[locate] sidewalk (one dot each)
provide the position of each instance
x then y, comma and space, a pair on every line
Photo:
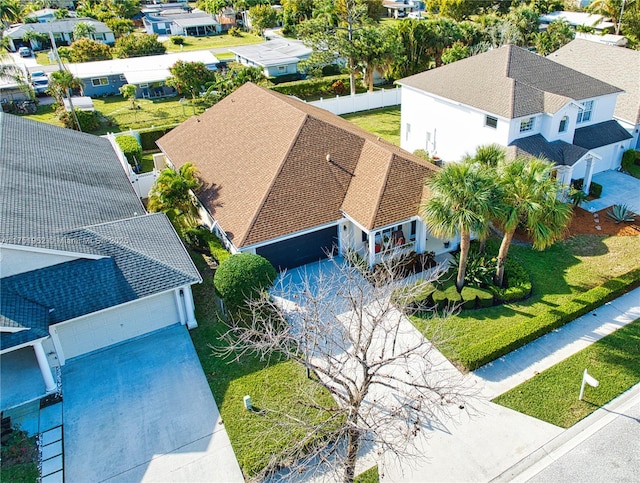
516, 367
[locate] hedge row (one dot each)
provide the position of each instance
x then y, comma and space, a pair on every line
130, 147
524, 332
311, 88
148, 138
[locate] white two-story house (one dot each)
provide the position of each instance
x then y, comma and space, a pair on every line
518, 99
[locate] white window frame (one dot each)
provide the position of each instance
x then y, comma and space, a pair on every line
100, 81
527, 124
584, 114
564, 124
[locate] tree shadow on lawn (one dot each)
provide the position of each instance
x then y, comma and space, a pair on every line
587, 245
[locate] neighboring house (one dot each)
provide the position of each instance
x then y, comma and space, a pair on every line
300, 182
607, 39
514, 98
62, 33
598, 22
43, 15
83, 266
615, 65
277, 57
105, 77
400, 8
178, 22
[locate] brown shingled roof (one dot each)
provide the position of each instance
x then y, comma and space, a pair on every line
510, 82
273, 165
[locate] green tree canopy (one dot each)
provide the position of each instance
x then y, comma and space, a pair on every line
262, 17
83, 30
88, 50
172, 192
190, 77
138, 45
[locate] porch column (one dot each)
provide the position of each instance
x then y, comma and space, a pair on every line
421, 236
564, 175
372, 249
189, 308
43, 363
588, 174
180, 306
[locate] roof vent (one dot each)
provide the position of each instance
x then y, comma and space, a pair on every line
328, 157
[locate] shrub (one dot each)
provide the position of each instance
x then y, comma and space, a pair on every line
518, 284
620, 213
338, 87
148, 138
130, 148
177, 40
517, 335
629, 159
204, 241
241, 277
89, 120
595, 190
235, 32
311, 88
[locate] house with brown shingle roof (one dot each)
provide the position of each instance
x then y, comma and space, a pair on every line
293, 182
518, 99
614, 65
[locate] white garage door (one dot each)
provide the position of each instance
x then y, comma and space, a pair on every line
92, 332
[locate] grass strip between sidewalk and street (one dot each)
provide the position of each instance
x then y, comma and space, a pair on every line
552, 395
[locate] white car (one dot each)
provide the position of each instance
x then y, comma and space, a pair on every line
418, 15
40, 82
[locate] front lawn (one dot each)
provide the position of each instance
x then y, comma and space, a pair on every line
213, 42
558, 274
383, 122
552, 395
254, 437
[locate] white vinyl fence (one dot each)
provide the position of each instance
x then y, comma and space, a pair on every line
360, 102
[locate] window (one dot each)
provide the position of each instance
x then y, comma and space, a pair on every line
527, 124
123, 78
414, 226
282, 68
584, 114
564, 123
491, 121
98, 36
100, 81
365, 237
427, 141
407, 132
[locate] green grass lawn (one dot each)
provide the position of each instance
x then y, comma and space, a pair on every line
255, 438
553, 394
383, 122
213, 42
120, 117
558, 273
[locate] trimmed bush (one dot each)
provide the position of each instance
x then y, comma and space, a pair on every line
89, 120
241, 277
131, 148
177, 40
148, 138
520, 334
485, 299
595, 190
311, 88
631, 162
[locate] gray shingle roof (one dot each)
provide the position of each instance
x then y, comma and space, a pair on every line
64, 190
601, 134
18, 312
65, 25
615, 65
509, 82
559, 152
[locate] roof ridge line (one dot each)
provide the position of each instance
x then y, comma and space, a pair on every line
260, 205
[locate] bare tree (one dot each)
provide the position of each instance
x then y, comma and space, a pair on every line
354, 338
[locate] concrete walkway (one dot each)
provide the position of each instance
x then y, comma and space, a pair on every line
617, 189
516, 367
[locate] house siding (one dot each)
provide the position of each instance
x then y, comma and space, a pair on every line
455, 129
115, 81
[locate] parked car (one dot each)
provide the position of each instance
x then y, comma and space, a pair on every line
25, 52
40, 82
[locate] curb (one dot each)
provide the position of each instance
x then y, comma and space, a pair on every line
535, 462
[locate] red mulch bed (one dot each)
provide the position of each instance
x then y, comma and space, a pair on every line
584, 223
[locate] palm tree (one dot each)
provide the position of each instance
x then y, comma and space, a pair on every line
61, 84
529, 197
172, 192
463, 199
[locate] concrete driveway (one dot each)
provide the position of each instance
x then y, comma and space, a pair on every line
143, 411
617, 189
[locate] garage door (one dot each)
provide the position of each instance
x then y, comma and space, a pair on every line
301, 249
102, 329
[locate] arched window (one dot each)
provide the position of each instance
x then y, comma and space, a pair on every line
564, 123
